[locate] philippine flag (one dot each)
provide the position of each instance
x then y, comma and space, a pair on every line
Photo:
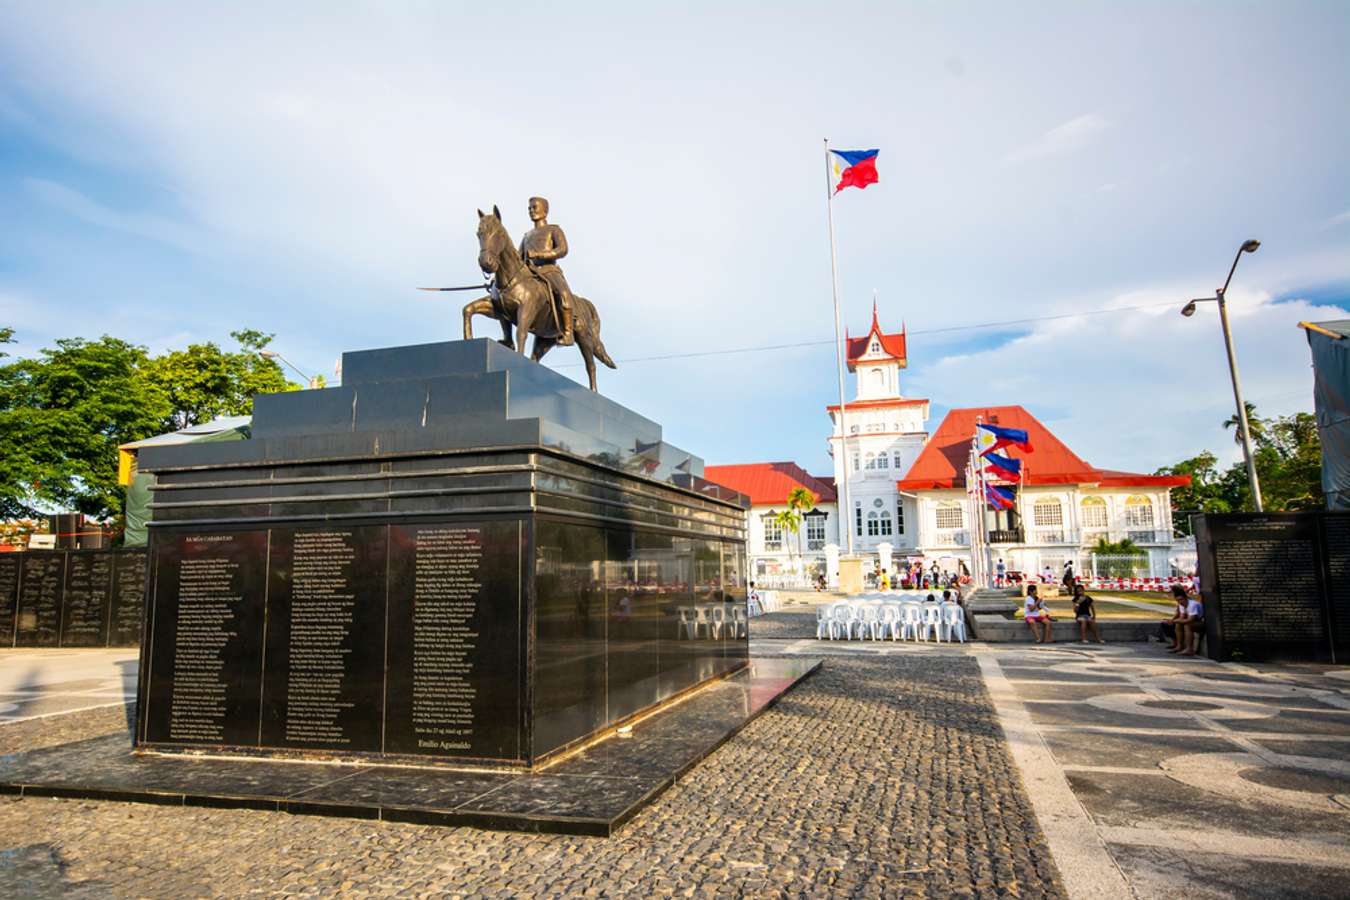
855, 168
999, 497
1004, 467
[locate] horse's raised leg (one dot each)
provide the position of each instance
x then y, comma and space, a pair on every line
480, 307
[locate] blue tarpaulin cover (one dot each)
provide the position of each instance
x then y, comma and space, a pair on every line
1331, 394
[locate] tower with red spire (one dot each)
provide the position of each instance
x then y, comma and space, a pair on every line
884, 432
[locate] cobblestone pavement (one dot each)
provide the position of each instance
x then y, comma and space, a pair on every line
784, 624
876, 777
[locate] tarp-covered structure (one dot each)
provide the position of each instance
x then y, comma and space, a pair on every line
1330, 343
138, 484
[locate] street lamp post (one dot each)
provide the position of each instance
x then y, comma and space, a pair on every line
312, 380
1189, 310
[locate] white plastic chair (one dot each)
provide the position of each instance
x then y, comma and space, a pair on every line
718, 617
911, 619
841, 620
932, 621
869, 622
890, 620
740, 622
702, 620
688, 622
823, 621
954, 622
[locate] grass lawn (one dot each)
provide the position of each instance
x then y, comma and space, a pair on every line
1061, 608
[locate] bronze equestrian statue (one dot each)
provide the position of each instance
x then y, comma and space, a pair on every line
525, 288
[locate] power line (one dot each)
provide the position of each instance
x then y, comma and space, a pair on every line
947, 329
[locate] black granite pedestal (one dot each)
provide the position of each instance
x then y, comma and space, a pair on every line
591, 791
457, 557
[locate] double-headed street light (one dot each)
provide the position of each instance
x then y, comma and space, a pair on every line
1189, 310
313, 380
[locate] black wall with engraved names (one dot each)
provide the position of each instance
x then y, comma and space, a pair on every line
1276, 585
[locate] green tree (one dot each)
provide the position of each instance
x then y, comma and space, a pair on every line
63, 415
1208, 492
1254, 422
799, 501
204, 382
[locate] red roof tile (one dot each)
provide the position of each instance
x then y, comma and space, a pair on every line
942, 463
891, 344
769, 482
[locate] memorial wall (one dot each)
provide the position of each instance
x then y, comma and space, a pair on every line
72, 598
415, 640
1275, 585
457, 555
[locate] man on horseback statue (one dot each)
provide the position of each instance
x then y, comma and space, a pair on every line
541, 248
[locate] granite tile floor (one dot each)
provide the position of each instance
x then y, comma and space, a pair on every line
1158, 776
876, 777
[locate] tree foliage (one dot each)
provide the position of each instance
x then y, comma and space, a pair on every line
204, 382
64, 412
1288, 454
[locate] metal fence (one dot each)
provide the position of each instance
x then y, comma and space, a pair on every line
1115, 565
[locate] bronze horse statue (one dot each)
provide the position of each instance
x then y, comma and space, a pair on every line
521, 299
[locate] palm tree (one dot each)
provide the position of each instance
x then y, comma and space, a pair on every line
799, 501
1258, 428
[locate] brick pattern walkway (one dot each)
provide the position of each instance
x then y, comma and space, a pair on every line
876, 777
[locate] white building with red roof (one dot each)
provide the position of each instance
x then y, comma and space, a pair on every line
771, 549
906, 490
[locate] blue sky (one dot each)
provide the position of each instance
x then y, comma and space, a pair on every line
171, 173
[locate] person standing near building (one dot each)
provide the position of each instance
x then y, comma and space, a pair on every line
1069, 580
1000, 570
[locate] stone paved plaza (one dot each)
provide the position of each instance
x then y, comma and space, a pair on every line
875, 777
897, 770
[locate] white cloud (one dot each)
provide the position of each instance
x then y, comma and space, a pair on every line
1140, 389
1339, 219
1062, 140
155, 228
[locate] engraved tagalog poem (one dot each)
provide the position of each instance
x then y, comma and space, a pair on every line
206, 611
322, 602
445, 595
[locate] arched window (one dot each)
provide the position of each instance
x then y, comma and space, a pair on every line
878, 378
950, 516
1047, 512
875, 348
870, 460
1138, 512
1093, 511
883, 461
879, 523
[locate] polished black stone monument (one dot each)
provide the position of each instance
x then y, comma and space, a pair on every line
458, 556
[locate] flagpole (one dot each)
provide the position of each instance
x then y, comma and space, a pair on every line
846, 510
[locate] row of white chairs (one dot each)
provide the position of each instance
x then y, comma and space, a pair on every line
712, 620
761, 602
897, 621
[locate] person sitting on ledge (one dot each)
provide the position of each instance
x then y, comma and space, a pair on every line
1038, 617
1086, 614
1168, 628
1192, 626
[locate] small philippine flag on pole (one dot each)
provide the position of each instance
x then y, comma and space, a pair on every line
854, 168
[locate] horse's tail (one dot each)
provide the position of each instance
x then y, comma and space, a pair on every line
601, 355
598, 346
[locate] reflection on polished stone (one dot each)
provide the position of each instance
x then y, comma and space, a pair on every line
593, 791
